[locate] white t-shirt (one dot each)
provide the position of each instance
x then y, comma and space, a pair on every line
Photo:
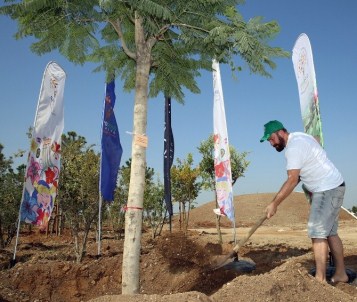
317, 172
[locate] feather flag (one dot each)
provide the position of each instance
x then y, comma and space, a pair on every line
306, 79
111, 147
222, 162
43, 167
168, 155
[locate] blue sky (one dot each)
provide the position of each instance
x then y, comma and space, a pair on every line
250, 100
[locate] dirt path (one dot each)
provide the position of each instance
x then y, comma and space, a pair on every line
291, 235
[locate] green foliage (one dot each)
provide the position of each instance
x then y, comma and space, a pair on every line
181, 37
11, 184
117, 207
122, 191
206, 164
78, 187
185, 186
154, 209
354, 210
239, 163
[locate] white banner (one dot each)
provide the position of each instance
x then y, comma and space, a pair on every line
222, 161
306, 79
43, 167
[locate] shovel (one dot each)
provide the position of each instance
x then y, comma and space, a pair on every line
223, 260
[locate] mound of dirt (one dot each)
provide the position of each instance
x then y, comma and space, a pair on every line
294, 210
177, 267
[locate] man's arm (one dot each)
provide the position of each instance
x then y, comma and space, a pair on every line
285, 190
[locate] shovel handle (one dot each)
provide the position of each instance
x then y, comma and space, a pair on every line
250, 233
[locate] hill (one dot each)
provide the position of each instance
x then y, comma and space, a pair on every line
293, 211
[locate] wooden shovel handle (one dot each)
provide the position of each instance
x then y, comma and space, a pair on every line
250, 233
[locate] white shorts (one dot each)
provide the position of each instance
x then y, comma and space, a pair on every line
324, 211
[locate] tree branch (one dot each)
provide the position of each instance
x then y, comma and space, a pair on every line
191, 26
117, 27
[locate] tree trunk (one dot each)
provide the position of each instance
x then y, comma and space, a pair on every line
75, 230
83, 248
184, 219
60, 222
2, 241
188, 215
180, 209
159, 227
133, 215
87, 225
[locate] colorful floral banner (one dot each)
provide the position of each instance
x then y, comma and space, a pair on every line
222, 161
43, 167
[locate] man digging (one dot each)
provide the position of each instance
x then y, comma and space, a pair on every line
307, 162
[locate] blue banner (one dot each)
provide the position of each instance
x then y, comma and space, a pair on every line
111, 147
168, 155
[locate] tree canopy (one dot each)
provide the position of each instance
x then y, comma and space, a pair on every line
181, 37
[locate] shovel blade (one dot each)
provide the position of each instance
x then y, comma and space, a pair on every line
221, 260
241, 266
227, 262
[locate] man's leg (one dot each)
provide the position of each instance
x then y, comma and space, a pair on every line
336, 249
320, 248
323, 223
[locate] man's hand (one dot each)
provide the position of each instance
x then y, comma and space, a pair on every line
285, 190
271, 210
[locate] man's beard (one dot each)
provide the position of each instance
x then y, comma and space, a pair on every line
281, 145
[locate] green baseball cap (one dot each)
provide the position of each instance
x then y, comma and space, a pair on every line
270, 128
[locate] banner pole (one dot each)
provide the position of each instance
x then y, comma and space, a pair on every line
99, 224
13, 261
100, 181
234, 228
